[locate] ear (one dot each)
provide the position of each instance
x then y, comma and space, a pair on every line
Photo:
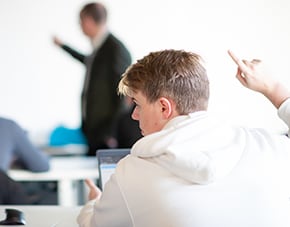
167, 107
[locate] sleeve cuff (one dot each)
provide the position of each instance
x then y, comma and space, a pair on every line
284, 112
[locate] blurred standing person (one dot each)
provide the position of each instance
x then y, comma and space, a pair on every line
100, 103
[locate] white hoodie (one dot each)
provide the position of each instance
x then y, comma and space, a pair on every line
198, 171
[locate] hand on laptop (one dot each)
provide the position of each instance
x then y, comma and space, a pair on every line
95, 192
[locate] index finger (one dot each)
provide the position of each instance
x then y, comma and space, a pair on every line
239, 62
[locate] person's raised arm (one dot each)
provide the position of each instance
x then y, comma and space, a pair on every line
74, 53
252, 76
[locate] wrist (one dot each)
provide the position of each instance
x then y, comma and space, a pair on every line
277, 93
270, 88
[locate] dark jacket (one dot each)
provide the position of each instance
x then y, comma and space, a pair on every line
101, 104
11, 192
128, 131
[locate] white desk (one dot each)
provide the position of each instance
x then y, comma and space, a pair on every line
66, 171
45, 216
65, 150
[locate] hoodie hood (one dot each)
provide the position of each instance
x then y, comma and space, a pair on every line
195, 147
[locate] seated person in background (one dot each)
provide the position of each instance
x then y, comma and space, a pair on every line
12, 192
191, 168
16, 150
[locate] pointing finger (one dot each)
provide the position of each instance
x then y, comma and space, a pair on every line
241, 64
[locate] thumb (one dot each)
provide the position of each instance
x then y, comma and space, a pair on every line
95, 192
90, 183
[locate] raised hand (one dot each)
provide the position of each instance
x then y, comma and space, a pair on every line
252, 75
57, 41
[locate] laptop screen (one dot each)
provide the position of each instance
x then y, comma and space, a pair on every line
107, 162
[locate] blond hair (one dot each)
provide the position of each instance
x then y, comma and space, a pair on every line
174, 74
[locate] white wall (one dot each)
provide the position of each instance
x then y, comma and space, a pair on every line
40, 84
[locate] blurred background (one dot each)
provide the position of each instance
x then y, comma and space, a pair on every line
40, 85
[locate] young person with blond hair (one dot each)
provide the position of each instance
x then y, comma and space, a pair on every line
191, 168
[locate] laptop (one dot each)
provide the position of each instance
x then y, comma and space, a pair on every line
107, 162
